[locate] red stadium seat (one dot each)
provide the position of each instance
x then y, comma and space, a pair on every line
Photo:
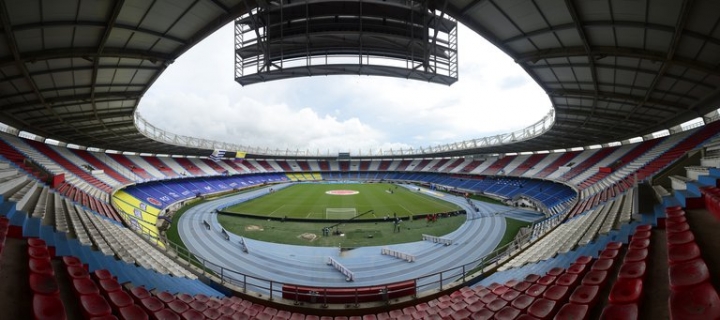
41, 266
632, 270
532, 278
568, 279
639, 235
603, 264
461, 314
133, 312
676, 219
595, 278
680, 237
84, 286
139, 293
483, 314
583, 259
546, 280
542, 308
500, 290
522, 286
585, 295
109, 285
536, 290
490, 297
677, 227
213, 314
151, 304
77, 272
577, 268
38, 253
507, 313
522, 302
699, 302
184, 297
688, 273
178, 306
192, 315
608, 254
41, 283
614, 245
48, 307
119, 299
198, 305
639, 244
555, 271
166, 314
102, 274
634, 255
94, 305
511, 283
675, 214
557, 293
36, 242
475, 306
572, 311
201, 297
620, 311
510, 295
496, 305
683, 252
626, 291
165, 297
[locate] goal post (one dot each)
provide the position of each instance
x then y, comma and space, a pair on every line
340, 213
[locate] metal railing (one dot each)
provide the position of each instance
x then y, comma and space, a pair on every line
271, 290
532, 131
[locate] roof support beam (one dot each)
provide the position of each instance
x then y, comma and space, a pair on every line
77, 69
82, 116
612, 24
679, 26
90, 53
74, 100
618, 67
612, 96
94, 24
625, 86
599, 52
19, 63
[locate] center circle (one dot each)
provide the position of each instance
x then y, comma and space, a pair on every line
342, 192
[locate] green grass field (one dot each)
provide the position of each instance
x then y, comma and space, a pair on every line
356, 234
311, 201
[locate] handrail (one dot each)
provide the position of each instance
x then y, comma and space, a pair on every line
260, 287
538, 128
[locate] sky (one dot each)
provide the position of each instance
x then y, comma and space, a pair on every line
197, 96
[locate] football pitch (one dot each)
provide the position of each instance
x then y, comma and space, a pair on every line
344, 201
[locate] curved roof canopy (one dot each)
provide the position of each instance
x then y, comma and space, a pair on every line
75, 70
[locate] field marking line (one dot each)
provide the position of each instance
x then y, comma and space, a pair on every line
406, 209
276, 210
436, 201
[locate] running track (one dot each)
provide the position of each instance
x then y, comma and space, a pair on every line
301, 265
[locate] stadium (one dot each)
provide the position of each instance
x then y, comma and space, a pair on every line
606, 208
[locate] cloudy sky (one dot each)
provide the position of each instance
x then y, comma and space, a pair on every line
197, 96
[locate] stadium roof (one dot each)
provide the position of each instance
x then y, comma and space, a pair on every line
75, 70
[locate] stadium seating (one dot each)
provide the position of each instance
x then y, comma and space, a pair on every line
569, 288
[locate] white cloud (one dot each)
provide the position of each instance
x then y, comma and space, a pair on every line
197, 96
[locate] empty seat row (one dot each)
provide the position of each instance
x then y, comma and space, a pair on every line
692, 296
